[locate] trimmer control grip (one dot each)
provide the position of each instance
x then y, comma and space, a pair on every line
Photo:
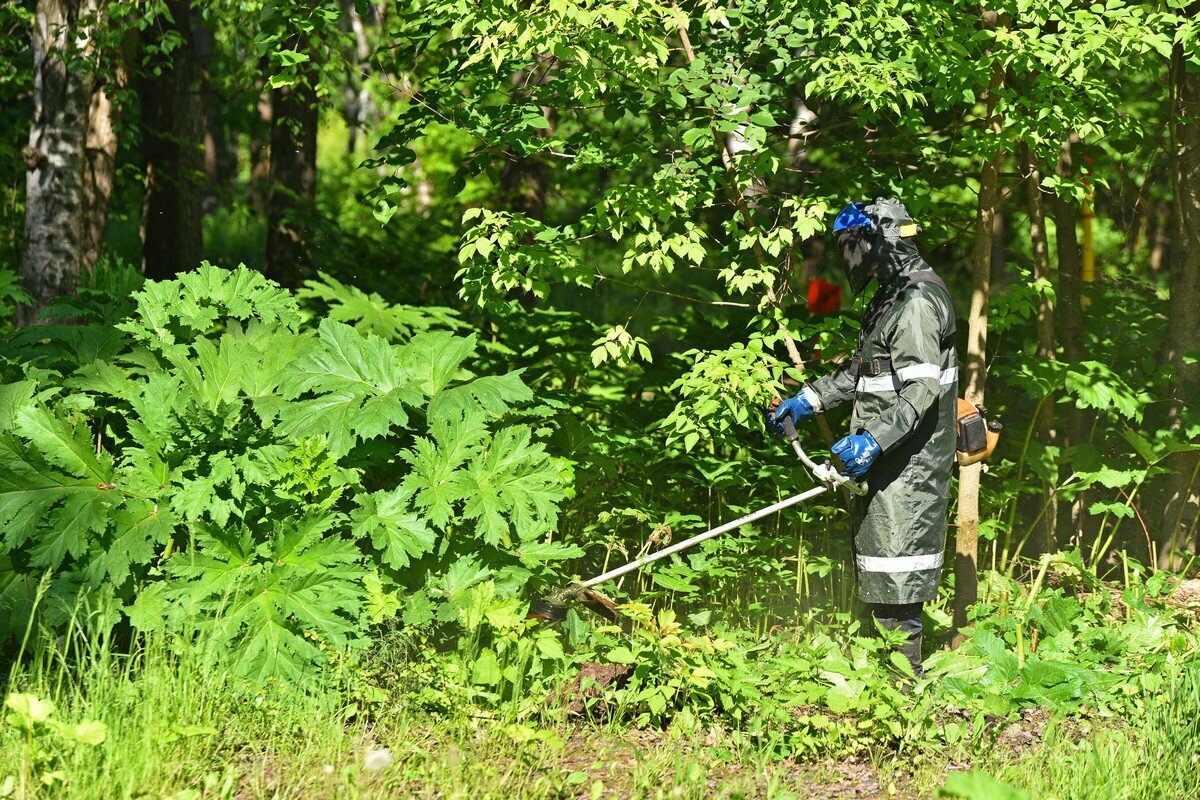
789, 429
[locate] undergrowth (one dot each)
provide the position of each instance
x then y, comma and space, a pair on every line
707, 712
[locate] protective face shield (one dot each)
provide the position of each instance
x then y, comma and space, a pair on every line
873, 240
854, 232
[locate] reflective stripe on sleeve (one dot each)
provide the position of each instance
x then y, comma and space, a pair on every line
917, 371
894, 381
899, 563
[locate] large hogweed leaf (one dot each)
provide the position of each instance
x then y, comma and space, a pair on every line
172, 313
65, 445
397, 533
205, 474
435, 359
360, 388
505, 483
513, 490
269, 598
437, 481
370, 313
496, 395
61, 497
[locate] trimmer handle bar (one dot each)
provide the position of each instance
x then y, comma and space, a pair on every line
554, 608
822, 473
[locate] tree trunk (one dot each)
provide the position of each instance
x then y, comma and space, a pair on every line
798, 133
359, 105
1182, 487
56, 237
220, 148
1160, 242
966, 575
293, 179
259, 136
172, 147
1047, 346
1070, 318
99, 169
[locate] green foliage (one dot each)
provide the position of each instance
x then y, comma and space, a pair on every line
977, 785
370, 313
1153, 759
11, 294
725, 390
227, 468
821, 692
632, 195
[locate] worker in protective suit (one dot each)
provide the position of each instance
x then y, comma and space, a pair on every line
903, 383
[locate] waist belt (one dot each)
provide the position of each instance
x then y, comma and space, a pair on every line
882, 365
870, 367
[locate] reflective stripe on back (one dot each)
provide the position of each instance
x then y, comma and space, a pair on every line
895, 381
900, 563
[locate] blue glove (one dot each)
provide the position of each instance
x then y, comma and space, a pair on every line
857, 452
797, 408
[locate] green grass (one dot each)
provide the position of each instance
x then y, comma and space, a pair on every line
180, 726
1158, 759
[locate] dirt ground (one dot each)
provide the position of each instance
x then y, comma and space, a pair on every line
613, 762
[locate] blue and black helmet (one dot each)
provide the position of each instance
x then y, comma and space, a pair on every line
886, 216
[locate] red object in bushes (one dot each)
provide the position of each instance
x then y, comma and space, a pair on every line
824, 297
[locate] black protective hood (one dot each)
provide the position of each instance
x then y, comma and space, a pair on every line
884, 251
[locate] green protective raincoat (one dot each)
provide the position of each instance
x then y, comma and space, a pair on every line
910, 409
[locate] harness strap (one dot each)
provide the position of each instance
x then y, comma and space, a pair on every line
874, 367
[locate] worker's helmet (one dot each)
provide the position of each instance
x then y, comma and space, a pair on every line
865, 233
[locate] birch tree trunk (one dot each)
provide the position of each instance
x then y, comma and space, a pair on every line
974, 375
1182, 487
359, 105
1047, 345
55, 238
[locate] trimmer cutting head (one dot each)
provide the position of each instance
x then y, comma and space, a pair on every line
547, 610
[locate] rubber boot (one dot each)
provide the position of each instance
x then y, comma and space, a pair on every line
906, 618
912, 650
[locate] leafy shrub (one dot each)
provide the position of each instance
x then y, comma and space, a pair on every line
818, 692
217, 463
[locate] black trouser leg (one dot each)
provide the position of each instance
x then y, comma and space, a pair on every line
907, 618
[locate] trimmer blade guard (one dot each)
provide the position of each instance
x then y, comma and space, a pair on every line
554, 608
601, 605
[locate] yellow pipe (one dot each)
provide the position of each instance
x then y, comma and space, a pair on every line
1087, 266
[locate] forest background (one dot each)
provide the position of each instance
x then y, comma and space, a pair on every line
517, 279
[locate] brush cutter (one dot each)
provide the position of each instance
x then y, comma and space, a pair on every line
554, 607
